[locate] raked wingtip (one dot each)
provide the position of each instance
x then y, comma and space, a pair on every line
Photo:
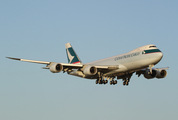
13, 58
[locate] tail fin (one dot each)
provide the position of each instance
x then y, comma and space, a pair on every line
71, 55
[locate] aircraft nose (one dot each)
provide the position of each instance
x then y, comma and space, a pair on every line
160, 55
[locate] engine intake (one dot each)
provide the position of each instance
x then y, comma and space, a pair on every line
90, 70
56, 68
150, 76
161, 73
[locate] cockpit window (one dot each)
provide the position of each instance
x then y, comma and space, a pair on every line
152, 46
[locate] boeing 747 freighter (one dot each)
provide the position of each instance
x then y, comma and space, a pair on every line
140, 61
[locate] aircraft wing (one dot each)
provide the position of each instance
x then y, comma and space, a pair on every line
66, 65
33, 61
48, 63
155, 68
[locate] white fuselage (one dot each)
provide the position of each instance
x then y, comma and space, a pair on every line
136, 59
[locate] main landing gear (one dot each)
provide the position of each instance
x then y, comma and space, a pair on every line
126, 81
113, 82
101, 81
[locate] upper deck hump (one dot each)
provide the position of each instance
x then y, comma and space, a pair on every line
145, 47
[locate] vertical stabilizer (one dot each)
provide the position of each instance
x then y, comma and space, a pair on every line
71, 55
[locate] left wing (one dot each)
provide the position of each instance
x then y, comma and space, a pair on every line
33, 61
48, 64
58, 67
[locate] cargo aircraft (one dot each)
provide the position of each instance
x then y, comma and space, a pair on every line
140, 61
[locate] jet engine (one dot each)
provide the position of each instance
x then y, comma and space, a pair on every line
148, 75
56, 68
161, 73
90, 70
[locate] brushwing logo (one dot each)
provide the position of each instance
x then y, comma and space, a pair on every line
70, 56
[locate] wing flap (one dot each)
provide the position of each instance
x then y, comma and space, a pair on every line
108, 67
66, 65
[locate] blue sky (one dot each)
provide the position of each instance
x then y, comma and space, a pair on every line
39, 29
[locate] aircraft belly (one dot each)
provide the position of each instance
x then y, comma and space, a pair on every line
76, 73
80, 74
122, 68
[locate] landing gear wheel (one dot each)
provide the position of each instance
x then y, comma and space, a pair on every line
115, 82
100, 82
124, 83
127, 83
106, 81
96, 81
110, 82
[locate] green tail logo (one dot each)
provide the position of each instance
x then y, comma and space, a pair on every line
71, 55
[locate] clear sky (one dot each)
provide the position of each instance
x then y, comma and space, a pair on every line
39, 29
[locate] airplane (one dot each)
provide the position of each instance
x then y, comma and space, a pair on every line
140, 61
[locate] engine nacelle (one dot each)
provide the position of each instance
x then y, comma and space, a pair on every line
56, 68
150, 76
161, 73
90, 70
